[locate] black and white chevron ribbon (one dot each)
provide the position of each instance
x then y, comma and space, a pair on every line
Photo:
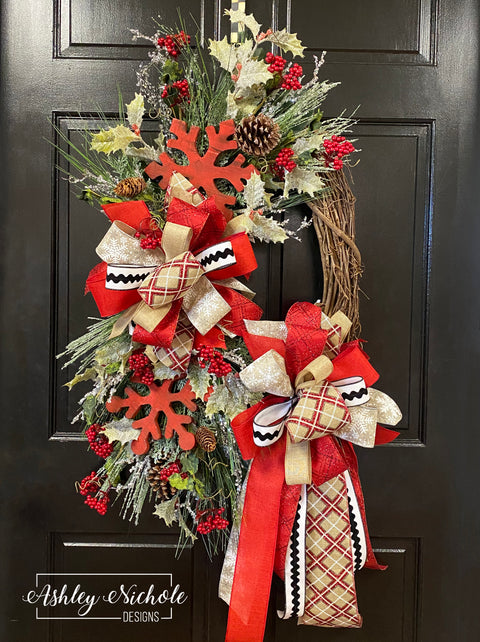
295, 563
359, 542
268, 423
126, 277
217, 257
353, 390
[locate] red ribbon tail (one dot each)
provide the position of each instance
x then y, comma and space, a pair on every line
256, 547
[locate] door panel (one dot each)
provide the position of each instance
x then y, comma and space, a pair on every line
409, 71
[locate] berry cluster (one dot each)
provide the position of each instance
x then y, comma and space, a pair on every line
291, 79
284, 162
88, 488
98, 442
166, 472
142, 367
174, 44
149, 234
181, 92
100, 504
211, 520
136, 129
335, 148
215, 361
89, 484
277, 63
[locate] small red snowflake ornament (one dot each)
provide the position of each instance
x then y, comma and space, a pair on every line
160, 399
203, 171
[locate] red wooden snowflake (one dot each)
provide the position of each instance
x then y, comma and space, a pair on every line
160, 399
202, 171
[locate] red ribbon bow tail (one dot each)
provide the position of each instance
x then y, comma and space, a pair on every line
352, 360
290, 496
258, 531
385, 435
162, 335
213, 339
130, 212
109, 302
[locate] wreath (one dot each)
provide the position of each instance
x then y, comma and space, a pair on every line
237, 430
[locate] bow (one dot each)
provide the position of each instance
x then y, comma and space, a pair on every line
328, 397
311, 474
175, 294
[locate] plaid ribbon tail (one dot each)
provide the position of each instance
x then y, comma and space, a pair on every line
330, 595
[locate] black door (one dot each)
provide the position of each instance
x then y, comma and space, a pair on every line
412, 68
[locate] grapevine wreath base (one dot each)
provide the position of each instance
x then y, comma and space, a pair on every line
237, 430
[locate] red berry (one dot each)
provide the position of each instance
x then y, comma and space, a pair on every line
284, 163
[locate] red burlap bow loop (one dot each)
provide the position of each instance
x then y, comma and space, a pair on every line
187, 286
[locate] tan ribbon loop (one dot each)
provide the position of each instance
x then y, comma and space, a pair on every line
268, 374
343, 321
241, 223
175, 240
313, 374
120, 247
298, 463
149, 318
123, 321
204, 306
180, 187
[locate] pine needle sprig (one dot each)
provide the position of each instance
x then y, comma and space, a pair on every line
97, 336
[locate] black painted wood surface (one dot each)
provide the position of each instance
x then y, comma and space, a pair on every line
411, 68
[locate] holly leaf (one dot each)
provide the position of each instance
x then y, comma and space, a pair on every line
246, 102
166, 511
121, 431
253, 72
177, 481
171, 71
286, 41
135, 110
87, 375
224, 52
237, 15
267, 229
307, 144
303, 180
146, 153
88, 408
200, 380
254, 192
113, 139
189, 464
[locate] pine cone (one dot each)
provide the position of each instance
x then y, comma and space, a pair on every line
130, 187
257, 135
205, 439
162, 488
